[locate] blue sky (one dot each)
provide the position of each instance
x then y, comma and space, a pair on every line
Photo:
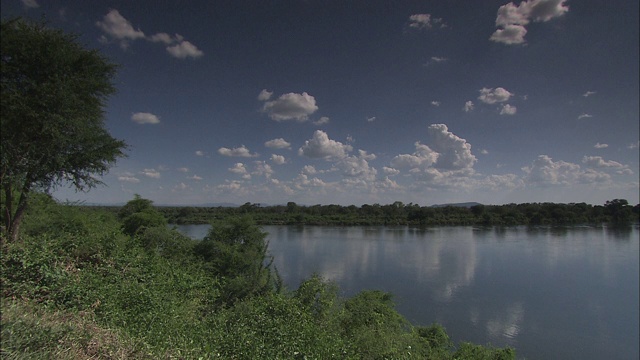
363, 102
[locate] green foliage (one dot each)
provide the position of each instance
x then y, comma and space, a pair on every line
81, 288
138, 215
412, 214
51, 115
236, 250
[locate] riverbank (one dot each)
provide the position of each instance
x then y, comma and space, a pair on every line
76, 286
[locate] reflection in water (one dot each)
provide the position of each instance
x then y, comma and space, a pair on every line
551, 292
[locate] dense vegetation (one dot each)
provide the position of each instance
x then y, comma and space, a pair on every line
87, 283
613, 212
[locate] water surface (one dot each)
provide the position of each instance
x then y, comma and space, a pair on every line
552, 293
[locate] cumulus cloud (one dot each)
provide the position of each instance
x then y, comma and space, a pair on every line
115, 26
119, 28
323, 120
240, 169
31, 4
321, 147
265, 95
358, 166
183, 169
600, 146
291, 106
468, 106
262, 169
599, 162
585, 115
152, 173
545, 171
511, 34
184, 49
195, 178
454, 152
507, 109
424, 21
371, 119
199, 153
435, 103
129, 178
278, 143
633, 145
241, 151
492, 96
278, 159
145, 118
589, 93
423, 157
511, 19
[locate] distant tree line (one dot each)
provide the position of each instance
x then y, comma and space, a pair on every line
617, 211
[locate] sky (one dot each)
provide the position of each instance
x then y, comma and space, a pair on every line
364, 102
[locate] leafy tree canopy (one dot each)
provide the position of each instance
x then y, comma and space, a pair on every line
52, 109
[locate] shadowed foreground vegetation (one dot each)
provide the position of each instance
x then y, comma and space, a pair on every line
88, 283
617, 212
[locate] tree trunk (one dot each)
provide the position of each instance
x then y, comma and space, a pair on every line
13, 220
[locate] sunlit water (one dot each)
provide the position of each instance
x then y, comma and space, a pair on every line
552, 293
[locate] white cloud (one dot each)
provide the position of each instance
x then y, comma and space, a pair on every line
184, 49
241, 151
371, 119
309, 169
545, 171
31, 4
240, 169
468, 106
589, 93
323, 120
262, 169
358, 167
454, 152
195, 178
492, 96
438, 59
166, 38
435, 103
199, 153
585, 115
145, 118
265, 95
129, 178
278, 159
484, 152
633, 146
511, 34
423, 157
599, 162
390, 171
152, 173
278, 143
507, 109
424, 21
321, 147
513, 18
183, 169
600, 146
291, 106
119, 28
181, 186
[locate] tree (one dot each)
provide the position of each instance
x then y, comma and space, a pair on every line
51, 111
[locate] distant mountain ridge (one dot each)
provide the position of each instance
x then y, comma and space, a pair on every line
463, 204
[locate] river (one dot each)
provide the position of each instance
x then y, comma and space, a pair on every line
549, 292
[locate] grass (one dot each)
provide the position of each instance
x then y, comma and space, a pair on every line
76, 287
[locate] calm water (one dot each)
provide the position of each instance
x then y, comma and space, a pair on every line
552, 293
